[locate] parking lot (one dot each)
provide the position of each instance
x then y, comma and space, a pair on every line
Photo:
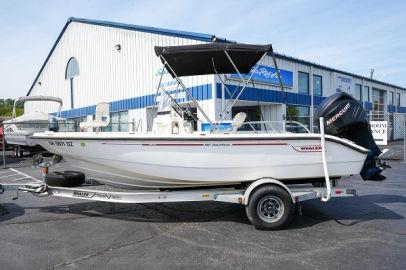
363, 232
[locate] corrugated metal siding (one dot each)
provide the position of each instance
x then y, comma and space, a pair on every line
105, 73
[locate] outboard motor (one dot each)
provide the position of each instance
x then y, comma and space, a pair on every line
345, 117
53, 123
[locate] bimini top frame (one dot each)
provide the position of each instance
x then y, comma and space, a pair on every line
36, 98
214, 58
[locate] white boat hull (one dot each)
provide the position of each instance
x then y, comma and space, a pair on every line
165, 162
20, 137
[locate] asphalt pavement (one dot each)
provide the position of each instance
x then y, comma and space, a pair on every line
363, 232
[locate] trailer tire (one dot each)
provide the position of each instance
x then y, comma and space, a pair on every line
65, 179
270, 208
17, 152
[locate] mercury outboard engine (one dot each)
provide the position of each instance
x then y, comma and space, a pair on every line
345, 117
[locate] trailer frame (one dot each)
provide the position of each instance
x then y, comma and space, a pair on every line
240, 196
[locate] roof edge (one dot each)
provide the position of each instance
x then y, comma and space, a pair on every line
148, 29
49, 54
308, 63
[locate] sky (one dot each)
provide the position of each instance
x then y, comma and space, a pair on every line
353, 36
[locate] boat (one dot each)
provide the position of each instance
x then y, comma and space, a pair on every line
172, 155
19, 130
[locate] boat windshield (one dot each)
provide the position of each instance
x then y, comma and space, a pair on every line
272, 127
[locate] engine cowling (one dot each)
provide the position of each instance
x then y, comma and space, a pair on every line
345, 117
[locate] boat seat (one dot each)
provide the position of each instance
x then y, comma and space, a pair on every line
187, 126
238, 119
102, 117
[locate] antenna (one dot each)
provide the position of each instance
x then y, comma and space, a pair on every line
372, 73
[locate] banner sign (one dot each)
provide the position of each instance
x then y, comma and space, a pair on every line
268, 75
225, 126
380, 132
343, 84
167, 82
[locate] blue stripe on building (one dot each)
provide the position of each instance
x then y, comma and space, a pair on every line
201, 92
204, 92
391, 109
368, 106
267, 95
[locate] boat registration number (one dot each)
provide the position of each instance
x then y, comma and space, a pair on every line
61, 143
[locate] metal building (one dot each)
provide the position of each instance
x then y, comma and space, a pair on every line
94, 61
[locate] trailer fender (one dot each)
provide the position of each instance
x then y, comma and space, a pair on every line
265, 181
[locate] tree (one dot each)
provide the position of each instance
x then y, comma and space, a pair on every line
6, 108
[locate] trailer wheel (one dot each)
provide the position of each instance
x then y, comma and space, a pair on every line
65, 179
17, 152
270, 208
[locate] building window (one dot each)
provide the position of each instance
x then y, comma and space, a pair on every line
391, 98
72, 71
299, 114
378, 109
398, 99
358, 94
317, 85
303, 82
118, 122
365, 94
253, 115
72, 124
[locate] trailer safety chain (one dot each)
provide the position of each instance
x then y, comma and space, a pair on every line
40, 191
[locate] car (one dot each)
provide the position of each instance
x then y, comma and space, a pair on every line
1, 138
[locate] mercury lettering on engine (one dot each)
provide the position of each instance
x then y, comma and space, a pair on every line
341, 112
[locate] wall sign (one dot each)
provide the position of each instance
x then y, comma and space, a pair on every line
167, 82
343, 84
225, 126
380, 132
268, 75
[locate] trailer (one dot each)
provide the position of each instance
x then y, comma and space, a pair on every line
269, 203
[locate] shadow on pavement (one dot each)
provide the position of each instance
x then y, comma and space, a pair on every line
15, 162
349, 211
9, 211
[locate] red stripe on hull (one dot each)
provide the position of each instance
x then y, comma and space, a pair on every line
195, 144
